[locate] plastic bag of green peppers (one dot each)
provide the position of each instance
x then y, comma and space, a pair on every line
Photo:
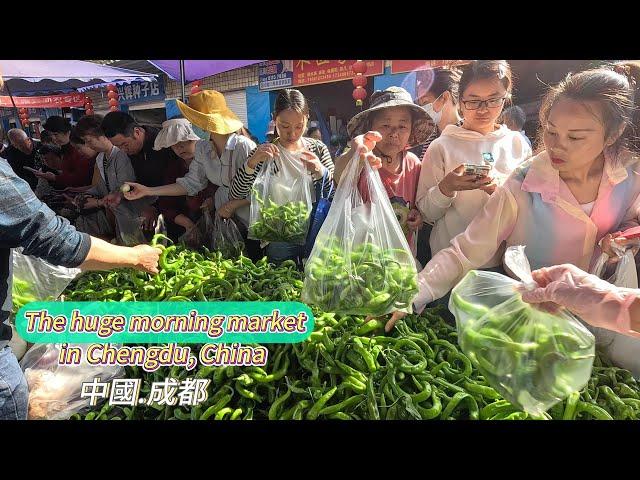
281, 200
361, 263
534, 359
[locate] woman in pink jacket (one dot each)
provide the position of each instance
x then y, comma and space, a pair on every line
563, 202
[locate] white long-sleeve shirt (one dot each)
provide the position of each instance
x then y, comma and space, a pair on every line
455, 146
535, 208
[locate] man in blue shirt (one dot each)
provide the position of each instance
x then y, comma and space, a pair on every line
28, 223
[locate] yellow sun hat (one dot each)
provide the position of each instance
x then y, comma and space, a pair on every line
208, 110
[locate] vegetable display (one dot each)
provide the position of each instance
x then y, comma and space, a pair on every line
347, 369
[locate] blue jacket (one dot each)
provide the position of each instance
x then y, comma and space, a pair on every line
27, 222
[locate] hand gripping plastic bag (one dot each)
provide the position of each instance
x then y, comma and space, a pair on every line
361, 263
55, 390
534, 359
623, 351
227, 239
281, 200
35, 279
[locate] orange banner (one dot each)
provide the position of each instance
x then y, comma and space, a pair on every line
50, 101
311, 72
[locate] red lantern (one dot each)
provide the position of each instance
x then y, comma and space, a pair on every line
88, 111
112, 94
359, 67
113, 108
113, 102
25, 122
359, 81
359, 94
196, 87
112, 88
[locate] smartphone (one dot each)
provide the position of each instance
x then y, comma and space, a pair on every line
478, 170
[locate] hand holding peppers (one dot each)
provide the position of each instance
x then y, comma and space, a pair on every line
146, 258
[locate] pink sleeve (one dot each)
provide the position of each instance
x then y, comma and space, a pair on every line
471, 249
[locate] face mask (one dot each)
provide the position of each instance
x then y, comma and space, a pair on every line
435, 116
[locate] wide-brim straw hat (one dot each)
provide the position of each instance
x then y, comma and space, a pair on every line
208, 110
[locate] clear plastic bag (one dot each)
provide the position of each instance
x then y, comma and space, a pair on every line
35, 279
206, 226
192, 238
534, 359
281, 200
129, 223
227, 239
361, 263
55, 390
623, 351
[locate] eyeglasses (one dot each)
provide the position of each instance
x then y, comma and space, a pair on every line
476, 104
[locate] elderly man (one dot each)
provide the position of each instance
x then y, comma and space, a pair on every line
21, 153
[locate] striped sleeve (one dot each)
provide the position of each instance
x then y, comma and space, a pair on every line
243, 179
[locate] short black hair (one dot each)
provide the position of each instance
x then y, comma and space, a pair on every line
89, 125
516, 115
118, 123
57, 124
311, 130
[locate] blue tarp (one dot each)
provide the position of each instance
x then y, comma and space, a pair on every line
258, 112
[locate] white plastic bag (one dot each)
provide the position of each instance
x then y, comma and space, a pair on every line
35, 279
281, 200
623, 351
55, 390
534, 359
361, 263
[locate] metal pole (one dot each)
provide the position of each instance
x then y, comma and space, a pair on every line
184, 96
6, 85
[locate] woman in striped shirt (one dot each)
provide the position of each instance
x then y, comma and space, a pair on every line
291, 116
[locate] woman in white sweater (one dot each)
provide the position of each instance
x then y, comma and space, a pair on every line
448, 198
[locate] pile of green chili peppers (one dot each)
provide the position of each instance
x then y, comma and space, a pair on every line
347, 369
368, 281
534, 359
281, 223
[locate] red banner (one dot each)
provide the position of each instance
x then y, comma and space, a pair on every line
50, 101
400, 66
311, 72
